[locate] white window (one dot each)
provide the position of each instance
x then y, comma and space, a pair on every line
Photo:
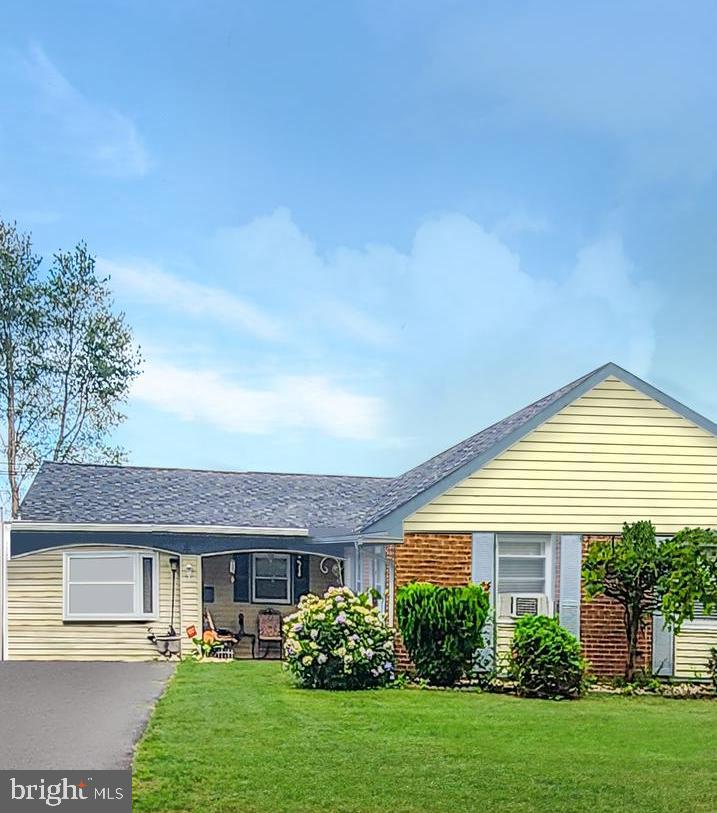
110, 586
523, 563
271, 583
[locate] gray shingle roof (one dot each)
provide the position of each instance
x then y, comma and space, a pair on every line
105, 494
425, 475
67, 492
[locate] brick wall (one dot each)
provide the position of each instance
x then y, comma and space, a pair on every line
602, 633
442, 559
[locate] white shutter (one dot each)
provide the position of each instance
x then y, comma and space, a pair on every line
571, 557
663, 647
483, 570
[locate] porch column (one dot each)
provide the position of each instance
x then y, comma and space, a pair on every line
190, 599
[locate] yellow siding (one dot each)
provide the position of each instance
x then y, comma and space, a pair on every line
503, 640
36, 630
692, 647
613, 455
190, 568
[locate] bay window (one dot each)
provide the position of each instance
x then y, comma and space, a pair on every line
110, 585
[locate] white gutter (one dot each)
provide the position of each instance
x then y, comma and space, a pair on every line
31, 525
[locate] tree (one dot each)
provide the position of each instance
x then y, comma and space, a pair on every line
645, 575
67, 360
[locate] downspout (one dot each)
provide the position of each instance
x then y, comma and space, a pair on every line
4, 558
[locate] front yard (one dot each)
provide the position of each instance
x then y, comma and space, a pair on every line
239, 737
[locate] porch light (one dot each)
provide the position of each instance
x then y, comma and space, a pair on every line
174, 563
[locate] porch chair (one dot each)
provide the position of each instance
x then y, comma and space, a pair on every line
269, 631
226, 638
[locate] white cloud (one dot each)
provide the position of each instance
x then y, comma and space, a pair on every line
287, 402
144, 282
102, 137
454, 332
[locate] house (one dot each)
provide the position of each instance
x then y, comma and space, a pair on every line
101, 553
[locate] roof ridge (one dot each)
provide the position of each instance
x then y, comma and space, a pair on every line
121, 467
564, 389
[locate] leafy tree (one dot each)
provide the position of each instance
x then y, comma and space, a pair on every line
67, 360
21, 343
646, 575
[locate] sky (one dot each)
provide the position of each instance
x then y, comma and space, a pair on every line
348, 235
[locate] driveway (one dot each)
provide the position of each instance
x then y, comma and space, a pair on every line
57, 716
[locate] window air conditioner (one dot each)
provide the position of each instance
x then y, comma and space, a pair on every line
515, 605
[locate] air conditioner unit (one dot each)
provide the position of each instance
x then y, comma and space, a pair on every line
514, 605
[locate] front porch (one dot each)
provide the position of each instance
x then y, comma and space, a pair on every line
237, 587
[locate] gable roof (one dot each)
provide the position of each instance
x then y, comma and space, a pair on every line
84, 493
423, 483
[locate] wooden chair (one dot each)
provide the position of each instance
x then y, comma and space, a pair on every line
269, 631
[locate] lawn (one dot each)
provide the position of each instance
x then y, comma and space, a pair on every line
239, 737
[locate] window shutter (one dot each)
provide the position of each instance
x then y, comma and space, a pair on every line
571, 558
483, 570
242, 577
300, 567
663, 647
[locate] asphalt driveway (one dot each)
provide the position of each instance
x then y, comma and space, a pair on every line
56, 716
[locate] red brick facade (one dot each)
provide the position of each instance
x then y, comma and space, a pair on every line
443, 559
602, 633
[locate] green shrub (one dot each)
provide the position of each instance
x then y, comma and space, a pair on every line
340, 641
712, 666
546, 659
441, 628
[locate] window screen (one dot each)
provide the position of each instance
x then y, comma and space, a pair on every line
521, 563
271, 578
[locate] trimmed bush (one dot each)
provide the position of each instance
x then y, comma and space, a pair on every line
546, 660
340, 641
442, 628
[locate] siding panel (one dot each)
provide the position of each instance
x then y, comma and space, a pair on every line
614, 455
36, 630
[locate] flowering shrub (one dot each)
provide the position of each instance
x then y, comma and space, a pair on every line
340, 641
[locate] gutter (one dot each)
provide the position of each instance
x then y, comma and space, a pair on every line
33, 525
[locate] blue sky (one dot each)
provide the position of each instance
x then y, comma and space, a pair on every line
349, 234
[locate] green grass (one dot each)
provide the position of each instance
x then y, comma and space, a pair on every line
239, 737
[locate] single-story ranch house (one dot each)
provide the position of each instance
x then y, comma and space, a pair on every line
101, 553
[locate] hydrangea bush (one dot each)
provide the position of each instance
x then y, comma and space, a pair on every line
340, 641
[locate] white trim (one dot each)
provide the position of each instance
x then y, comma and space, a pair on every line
136, 556
547, 556
289, 579
32, 525
320, 554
